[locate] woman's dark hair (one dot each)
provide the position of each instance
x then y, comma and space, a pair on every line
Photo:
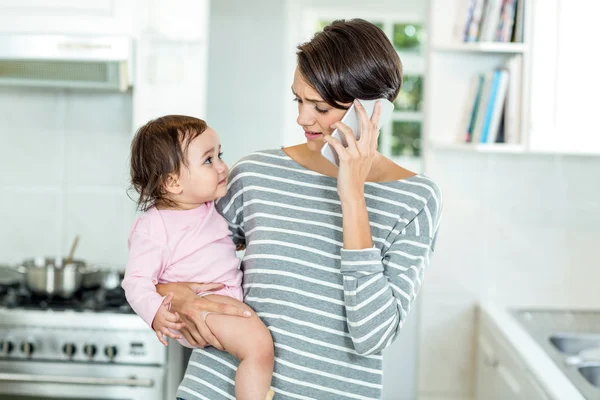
351, 60
158, 149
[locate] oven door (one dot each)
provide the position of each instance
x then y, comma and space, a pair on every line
25, 380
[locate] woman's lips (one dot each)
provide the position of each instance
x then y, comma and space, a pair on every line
312, 135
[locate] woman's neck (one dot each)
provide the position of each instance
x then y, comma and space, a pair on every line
383, 169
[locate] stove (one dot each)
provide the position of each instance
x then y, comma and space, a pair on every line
94, 299
87, 347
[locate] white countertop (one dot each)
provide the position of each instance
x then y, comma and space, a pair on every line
547, 373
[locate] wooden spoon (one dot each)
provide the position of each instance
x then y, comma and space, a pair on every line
72, 252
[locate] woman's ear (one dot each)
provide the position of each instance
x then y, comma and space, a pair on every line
172, 185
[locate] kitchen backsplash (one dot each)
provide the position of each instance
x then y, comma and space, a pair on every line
65, 159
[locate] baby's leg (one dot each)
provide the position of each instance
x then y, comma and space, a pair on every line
249, 340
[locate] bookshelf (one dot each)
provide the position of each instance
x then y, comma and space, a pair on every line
455, 63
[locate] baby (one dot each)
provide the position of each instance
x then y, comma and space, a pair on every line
177, 171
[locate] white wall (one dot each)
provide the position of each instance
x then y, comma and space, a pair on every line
245, 75
64, 155
520, 229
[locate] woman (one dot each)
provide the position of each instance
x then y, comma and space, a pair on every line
334, 257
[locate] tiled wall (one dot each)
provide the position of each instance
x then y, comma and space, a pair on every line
520, 229
64, 157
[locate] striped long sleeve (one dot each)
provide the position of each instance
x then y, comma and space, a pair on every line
380, 289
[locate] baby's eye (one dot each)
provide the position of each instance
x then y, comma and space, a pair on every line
208, 160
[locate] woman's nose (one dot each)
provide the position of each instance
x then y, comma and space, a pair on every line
305, 117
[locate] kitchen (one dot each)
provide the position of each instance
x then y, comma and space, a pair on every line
518, 227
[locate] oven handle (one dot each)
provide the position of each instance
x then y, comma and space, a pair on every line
77, 380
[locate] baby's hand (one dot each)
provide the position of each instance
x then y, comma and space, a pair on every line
165, 320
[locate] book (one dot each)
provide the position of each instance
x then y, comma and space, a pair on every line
513, 100
489, 107
517, 36
491, 20
474, 26
476, 101
481, 109
499, 102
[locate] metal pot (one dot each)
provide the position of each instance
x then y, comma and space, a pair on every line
9, 275
106, 277
53, 277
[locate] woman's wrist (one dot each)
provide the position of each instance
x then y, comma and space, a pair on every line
353, 202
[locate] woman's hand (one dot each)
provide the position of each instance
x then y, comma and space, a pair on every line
357, 159
193, 309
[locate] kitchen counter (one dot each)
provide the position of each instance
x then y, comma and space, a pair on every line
548, 375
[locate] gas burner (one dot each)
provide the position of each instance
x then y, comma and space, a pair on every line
96, 300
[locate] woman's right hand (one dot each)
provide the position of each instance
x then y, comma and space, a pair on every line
193, 309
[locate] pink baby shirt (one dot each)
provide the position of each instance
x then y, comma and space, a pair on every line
179, 246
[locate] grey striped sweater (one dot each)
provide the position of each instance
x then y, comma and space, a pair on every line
331, 311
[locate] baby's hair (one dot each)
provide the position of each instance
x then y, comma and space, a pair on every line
158, 149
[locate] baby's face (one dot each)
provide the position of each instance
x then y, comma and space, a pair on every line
205, 176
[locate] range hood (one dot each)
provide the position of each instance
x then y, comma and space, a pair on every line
67, 61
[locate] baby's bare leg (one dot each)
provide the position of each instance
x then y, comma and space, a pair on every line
249, 340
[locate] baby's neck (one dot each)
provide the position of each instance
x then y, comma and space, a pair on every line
177, 206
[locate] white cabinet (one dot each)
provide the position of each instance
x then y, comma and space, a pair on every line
564, 79
501, 374
171, 61
68, 16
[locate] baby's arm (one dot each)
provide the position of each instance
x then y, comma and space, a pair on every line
165, 321
146, 258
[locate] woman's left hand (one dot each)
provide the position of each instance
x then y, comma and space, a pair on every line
357, 159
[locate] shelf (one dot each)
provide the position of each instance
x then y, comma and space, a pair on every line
481, 147
489, 47
502, 148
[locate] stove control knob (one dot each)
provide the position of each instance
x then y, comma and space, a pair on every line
111, 352
6, 347
28, 348
89, 350
69, 349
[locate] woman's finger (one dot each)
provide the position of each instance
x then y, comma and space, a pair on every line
191, 334
205, 287
227, 309
200, 321
375, 124
349, 135
190, 339
161, 338
341, 151
365, 124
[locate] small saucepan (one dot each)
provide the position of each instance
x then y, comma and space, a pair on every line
53, 276
102, 276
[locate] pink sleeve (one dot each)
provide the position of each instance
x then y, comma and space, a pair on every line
146, 258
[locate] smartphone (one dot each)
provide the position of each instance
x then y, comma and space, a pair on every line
352, 120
